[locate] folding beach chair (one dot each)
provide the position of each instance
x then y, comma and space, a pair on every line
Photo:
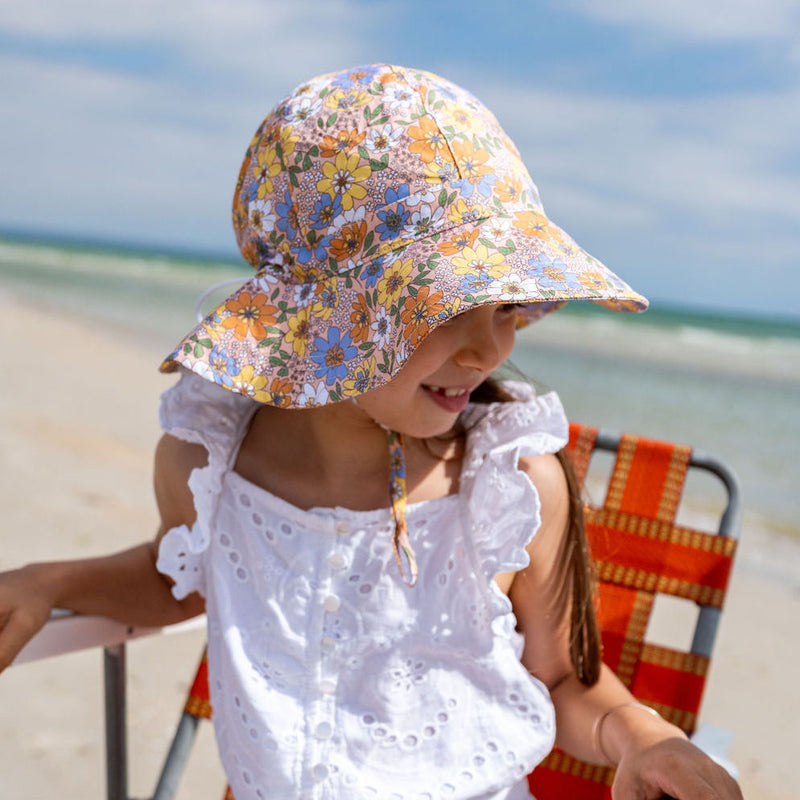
639, 551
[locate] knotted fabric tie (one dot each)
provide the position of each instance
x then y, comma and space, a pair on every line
403, 553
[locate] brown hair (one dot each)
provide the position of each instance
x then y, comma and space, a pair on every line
575, 574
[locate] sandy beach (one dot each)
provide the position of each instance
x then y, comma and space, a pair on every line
79, 423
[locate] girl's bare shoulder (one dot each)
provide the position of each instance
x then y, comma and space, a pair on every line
175, 460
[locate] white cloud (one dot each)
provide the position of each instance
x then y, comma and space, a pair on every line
701, 20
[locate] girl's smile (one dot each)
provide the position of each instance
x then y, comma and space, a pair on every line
434, 385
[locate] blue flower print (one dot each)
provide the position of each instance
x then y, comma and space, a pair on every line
326, 209
287, 217
361, 76
391, 196
551, 273
223, 366
373, 272
392, 222
484, 185
305, 249
331, 355
475, 283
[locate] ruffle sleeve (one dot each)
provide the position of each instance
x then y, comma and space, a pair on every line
504, 504
198, 411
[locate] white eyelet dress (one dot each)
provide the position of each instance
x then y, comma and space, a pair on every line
330, 678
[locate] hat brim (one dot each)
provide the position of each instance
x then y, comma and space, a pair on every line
293, 337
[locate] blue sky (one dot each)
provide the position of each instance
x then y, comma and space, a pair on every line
665, 137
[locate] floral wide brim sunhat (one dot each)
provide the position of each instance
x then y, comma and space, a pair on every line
375, 204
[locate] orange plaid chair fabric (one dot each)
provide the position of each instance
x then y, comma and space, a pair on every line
639, 551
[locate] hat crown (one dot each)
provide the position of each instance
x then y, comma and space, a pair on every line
356, 164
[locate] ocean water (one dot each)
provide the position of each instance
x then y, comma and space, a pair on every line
726, 385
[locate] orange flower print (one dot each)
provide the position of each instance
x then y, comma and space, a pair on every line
361, 318
344, 177
474, 261
592, 280
428, 141
348, 243
457, 243
471, 162
280, 392
395, 279
249, 315
461, 118
299, 331
532, 223
344, 141
508, 189
417, 311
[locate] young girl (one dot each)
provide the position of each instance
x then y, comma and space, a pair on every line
382, 537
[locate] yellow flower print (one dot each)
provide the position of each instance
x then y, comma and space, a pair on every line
533, 223
441, 171
428, 141
327, 298
344, 177
266, 166
395, 279
361, 380
344, 99
288, 142
250, 384
479, 260
299, 331
461, 213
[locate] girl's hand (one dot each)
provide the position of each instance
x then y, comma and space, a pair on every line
671, 768
25, 606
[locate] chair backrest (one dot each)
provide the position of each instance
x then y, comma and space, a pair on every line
639, 552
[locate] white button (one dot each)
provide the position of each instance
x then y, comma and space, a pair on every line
327, 687
323, 730
336, 561
343, 527
331, 603
320, 771
328, 642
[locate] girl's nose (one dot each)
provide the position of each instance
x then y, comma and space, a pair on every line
479, 347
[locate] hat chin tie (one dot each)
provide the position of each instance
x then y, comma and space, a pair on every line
404, 555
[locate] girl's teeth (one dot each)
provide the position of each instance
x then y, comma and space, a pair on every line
447, 392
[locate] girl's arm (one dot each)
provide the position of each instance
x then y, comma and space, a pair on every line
124, 586
602, 724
